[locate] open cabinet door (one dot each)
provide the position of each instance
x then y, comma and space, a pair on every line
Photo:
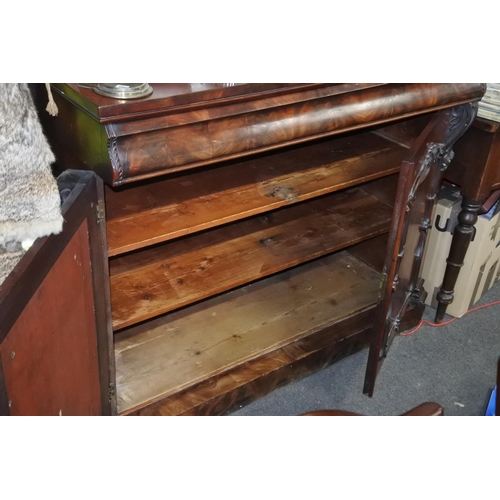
402, 291
56, 354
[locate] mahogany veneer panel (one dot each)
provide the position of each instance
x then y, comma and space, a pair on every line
166, 209
161, 358
144, 139
164, 278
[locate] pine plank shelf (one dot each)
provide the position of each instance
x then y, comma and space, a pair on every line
162, 210
161, 279
195, 356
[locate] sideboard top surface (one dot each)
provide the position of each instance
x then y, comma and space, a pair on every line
177, 96
184, 126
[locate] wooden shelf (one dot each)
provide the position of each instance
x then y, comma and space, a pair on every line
205, 352
161, 279
158, 211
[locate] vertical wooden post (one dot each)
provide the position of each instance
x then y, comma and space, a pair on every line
462, 236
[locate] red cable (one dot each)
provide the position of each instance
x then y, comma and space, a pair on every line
450, 320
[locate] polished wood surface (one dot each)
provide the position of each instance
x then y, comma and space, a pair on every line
140, 147
161, 210
172, 353
175, 96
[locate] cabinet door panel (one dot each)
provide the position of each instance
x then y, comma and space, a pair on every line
420, 176
55, 330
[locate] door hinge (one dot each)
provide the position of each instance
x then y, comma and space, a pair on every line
101, 213
381, 286
111, 392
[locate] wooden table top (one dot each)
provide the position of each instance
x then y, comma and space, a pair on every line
182, 126
178, 96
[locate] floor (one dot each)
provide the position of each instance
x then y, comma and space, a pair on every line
454, 365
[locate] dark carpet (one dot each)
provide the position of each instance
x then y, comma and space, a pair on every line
454, 365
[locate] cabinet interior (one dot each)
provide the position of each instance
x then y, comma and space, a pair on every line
224, 277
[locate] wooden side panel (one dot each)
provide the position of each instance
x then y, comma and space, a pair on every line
49, 357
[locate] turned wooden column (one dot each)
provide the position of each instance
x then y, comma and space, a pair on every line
477, 170
462, 236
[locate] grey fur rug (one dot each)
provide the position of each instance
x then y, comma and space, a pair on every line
29, 198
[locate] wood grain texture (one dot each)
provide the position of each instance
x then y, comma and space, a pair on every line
50, 360
256, 378
193, 130
165, 209
177, 96
169, 354
140, 147
164, 278
147, 154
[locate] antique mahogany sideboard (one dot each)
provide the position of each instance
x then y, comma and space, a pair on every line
254, 233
